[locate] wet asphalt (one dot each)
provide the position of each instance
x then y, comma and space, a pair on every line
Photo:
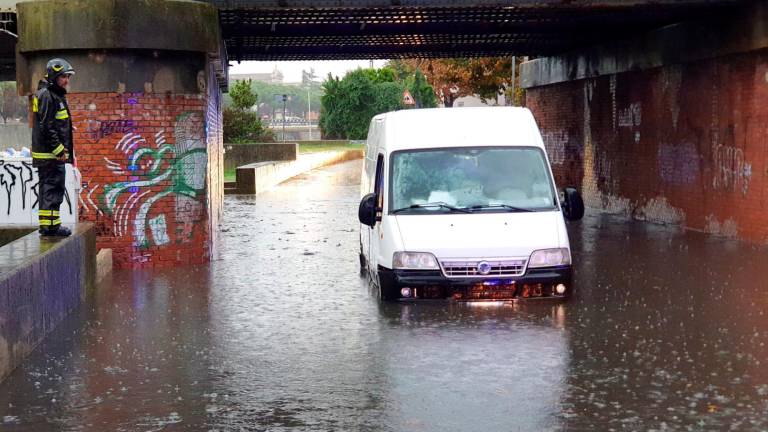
667, 331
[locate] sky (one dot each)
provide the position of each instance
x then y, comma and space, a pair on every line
292, 69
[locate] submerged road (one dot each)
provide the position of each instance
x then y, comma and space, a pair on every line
668, 331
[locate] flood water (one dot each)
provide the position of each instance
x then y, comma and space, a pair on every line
667, 331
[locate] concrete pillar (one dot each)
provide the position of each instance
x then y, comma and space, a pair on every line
668, 127
146, 106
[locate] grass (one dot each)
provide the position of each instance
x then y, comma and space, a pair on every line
321, 146
229, 175
311, 147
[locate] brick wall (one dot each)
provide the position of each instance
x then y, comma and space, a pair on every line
215, 143
144, 160
684, 144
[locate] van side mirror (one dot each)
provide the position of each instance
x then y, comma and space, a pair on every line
573, 204
367, 211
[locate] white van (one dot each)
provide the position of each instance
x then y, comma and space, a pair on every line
461, 203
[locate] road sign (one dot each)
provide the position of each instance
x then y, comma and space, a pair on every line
407, 98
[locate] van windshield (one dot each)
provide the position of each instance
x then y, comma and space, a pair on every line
476, 179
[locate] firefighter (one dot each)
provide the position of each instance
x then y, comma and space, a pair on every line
52, 144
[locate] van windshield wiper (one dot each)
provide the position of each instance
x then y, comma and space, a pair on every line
434, 204
500, 206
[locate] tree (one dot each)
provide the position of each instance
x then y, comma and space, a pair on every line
242, 95
349, 103
422, 92
454, 78
490, 77
449, 78
241, 123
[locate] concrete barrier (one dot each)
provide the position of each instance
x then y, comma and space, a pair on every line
236, 155
259, 177
19, 202
41, 282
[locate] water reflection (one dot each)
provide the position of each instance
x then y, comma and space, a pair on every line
667, 331
453, 366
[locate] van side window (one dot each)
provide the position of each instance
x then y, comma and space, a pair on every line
379, 186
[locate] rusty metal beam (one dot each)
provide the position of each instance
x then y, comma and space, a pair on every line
261, 4
263, 29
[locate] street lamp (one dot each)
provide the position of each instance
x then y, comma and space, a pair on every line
309, 109
284, 99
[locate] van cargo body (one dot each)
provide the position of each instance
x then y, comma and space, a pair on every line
461, 203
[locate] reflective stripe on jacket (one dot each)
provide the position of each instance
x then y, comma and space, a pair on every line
52, 127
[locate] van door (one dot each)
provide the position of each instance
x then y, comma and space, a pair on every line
374, 233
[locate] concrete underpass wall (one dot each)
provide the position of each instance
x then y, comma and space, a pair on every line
682, 143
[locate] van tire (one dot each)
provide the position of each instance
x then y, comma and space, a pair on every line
574, 208
363, 262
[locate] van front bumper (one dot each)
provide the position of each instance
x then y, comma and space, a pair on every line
432, 284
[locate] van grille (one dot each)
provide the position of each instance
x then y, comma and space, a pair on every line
498, 268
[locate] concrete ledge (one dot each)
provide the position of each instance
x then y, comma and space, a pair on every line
742, 31
259, 177
236, 155
103, 264
41, 282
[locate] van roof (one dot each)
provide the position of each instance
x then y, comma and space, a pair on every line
458, 127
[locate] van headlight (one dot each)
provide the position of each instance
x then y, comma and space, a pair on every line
550, 258
414, 261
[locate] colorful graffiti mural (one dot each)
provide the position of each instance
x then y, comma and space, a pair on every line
150, 172
145, 160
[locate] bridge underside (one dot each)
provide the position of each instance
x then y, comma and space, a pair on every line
315, 30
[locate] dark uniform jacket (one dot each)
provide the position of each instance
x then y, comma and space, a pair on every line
52, 128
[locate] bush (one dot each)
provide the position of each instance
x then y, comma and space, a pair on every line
349, 103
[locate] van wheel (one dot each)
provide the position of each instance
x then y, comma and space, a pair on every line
363, 263
574, 205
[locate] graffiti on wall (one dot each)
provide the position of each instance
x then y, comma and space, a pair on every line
732, 172
632, 116
155, 172
555, 142
679, 164
19, 193
100, 129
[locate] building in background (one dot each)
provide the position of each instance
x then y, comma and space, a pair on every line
475, 101
274, 77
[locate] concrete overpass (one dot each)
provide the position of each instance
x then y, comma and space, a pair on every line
652, 108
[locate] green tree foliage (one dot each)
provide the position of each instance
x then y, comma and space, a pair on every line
348, 104
241, 123
243, 97
387, 97
422, 92
487, 77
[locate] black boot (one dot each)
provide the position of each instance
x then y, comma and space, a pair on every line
59, 231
